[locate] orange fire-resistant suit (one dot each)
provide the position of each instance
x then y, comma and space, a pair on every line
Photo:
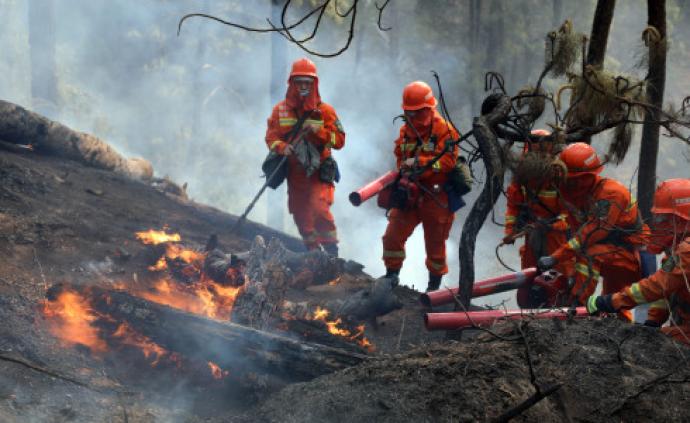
609, 231
538, 206
309, 198
431, 208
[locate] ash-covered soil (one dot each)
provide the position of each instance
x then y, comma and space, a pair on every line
608, 371
63, 222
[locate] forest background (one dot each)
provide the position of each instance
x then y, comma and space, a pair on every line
196, 104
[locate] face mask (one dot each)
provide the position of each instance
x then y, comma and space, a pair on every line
420, 119
580, 184
304, 86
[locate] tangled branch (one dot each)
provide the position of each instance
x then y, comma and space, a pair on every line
287, 30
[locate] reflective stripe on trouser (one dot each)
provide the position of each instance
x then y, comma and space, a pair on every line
436, 222
617, 266
309, 201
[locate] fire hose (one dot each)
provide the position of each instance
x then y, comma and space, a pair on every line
483, 318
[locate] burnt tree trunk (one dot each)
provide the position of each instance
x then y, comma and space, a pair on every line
656, 81
44, 90
598, 40
492, 157
557, 13
600, 32
275, 214
20, 126
234, 347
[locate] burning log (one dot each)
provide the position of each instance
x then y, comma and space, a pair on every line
230, 346
460, 320
21, 126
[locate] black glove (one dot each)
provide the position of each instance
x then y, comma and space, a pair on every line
546, 263
600, 304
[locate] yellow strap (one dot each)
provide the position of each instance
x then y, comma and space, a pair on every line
584, 269
333, 141
547, 194
274, 144
437, 265
394, 253
574, 243
660, 304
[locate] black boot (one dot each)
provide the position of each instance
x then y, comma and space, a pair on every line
331, 249
434, 282
393, 274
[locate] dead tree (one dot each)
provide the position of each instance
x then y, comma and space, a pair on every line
492, 156
655, 38
600, 32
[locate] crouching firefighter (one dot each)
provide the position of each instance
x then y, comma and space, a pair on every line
668, 290
305, 129
430, 187
608, 230
534, 209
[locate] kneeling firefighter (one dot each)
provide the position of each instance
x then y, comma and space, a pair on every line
667, 290
305, 129
429, 190
534, 209
608, 230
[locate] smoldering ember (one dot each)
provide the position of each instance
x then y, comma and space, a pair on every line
344, 211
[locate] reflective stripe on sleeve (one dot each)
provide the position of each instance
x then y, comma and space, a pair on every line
574, 243
274, 144
636, 294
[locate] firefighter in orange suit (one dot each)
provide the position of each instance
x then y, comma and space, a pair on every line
534, 207
608, 230
528, 206
310, 193
422, 138
669, 288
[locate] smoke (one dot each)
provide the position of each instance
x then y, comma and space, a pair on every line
196, 105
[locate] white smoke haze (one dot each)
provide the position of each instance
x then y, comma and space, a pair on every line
196, 105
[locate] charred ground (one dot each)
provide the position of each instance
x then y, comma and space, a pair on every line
63, 222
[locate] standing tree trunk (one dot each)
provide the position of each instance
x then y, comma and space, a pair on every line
600, 32
275, 214
596, 52
557, 13
656, 80
44, 91
492, 157
495, 37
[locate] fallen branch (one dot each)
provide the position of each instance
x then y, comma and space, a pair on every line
526, 404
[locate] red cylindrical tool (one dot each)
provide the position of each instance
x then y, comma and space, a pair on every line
372, 188
461, 319
479, 289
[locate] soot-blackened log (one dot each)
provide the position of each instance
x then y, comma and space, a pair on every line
21, 126
231, 346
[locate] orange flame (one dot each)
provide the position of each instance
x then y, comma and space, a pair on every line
173, 251
71, 318
334, 329
154, 237
335, 281
216, 371
205, 297
149, 348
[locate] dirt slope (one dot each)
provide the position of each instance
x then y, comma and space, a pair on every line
610, 372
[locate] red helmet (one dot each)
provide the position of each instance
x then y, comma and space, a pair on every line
418, 95
538, 146
673, 197
581, 159
303, 67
